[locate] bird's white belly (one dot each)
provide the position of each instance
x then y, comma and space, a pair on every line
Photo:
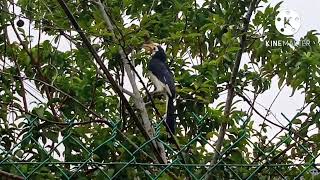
160, 86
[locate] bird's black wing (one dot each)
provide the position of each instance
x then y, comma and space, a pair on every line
162, 72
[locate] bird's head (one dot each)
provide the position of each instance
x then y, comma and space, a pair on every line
155, 50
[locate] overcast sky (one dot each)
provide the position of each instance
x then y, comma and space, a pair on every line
309, 14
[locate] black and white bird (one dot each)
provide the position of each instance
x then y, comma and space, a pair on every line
162, 79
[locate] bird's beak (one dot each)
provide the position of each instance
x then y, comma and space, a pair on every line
149, 47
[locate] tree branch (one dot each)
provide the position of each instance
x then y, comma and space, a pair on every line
97, 69
269, 121
7, 175
134, 72
101, 119
231, 85
138, 100
157, 147
23, 94
38, 70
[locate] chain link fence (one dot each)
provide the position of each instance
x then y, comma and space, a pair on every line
35, 156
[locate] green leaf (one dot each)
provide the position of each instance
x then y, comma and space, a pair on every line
296, 121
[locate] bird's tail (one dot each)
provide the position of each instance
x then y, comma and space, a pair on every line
170, 119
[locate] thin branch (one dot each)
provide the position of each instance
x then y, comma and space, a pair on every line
120, 87
138, 100
265, 108
282, 153
269, 121
269, 109
159, 151
134, 72
282, 128
151, 7
7, 175
301, 128
231, 85
62, 123
199, 43
38, 69
23, 89
78, 45
23, 94
102, 120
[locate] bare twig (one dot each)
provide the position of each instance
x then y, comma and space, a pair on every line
269, 109
269, 121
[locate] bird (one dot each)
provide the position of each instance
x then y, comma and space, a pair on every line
163, 80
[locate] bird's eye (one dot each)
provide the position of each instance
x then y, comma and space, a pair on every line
154, 48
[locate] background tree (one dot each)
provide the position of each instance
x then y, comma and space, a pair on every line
84, 111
